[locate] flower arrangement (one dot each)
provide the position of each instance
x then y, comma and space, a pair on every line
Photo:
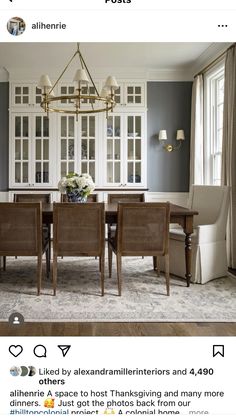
77, 187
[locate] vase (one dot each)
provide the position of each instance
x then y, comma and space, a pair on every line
76, 197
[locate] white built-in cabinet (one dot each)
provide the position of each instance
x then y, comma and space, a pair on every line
112, 150
125, 150
31, 150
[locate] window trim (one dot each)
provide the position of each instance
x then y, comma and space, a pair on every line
211, 78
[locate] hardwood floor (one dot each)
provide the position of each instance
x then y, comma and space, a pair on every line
119, 329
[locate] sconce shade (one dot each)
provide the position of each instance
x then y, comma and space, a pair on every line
45, 82
180, 135
162, 135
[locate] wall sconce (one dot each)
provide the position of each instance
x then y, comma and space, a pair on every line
162, 137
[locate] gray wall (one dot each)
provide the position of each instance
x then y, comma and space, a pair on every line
169, 107
4, 127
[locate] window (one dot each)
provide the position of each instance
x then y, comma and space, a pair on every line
213, 127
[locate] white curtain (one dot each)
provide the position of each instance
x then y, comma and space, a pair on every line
196, 140
229, 149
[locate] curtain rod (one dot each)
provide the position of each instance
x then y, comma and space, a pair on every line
214, 61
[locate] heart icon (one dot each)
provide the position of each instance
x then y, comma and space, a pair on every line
15, 350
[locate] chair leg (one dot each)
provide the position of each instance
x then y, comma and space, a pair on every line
154, 262
48, 262
39, 274
158, 266
110, 260
54, 273
49, 239
101, 264
4, 262
119, 275
167, 274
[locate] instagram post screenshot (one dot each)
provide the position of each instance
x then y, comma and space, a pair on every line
117, 208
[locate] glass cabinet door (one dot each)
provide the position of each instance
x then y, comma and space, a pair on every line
67, 162
21, 149
21, 95
134, 149
130, 94
37, 95
41, 158
113, 149
88, 145
72, 90
67, 90
134, 94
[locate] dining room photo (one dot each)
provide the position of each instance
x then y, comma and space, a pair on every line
118, 184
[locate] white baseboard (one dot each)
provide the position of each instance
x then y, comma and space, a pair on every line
177, 198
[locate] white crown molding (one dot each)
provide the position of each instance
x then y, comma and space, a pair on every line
120, 73
169, 75
209, 55
4, 75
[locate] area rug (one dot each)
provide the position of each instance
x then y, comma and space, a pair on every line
143, 296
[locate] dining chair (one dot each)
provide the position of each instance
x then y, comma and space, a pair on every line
21, 233
142, 230
93, 197
209, 257
115, 198
28, 197
45, 198
78, 230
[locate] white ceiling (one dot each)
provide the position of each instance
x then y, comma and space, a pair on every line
117, 57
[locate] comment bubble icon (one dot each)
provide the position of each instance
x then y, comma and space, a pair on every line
40, 351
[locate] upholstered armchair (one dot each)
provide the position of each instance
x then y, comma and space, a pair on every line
209, 259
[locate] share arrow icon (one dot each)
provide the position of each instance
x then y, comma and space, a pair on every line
64, 349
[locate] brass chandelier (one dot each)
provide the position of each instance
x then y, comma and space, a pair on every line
73, 103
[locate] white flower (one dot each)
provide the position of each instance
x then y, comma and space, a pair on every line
82, 184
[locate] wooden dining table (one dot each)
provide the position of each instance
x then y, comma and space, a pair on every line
178, 215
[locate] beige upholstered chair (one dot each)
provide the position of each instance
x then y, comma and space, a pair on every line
142, 230
78, 230
209, 259
21, 233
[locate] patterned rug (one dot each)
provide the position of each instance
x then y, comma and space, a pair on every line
143, 296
